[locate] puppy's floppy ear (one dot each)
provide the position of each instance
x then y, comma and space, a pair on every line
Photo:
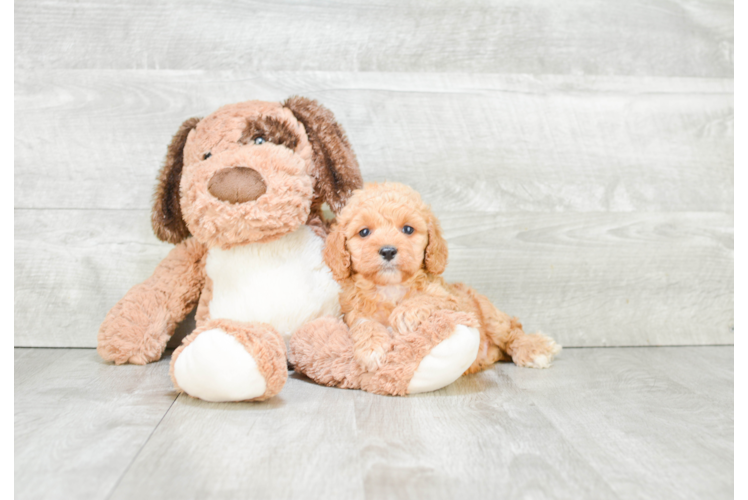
436, 256
336, 254
335, 167
166, 217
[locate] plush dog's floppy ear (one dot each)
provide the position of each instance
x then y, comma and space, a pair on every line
335, 167
166, 217
336, 254
436, 256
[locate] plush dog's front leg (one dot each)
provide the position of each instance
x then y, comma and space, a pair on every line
371, 342
137, 328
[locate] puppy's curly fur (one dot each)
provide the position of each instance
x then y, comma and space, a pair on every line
388, 253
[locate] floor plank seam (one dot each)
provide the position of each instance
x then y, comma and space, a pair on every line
140, 450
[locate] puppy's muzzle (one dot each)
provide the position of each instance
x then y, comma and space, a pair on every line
388, 253
237, 185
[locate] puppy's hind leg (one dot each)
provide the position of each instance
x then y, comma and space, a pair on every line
530, 350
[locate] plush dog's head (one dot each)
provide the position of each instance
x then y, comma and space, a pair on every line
252, 172
386, 234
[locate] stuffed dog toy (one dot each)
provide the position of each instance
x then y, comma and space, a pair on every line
387, 252
240, 196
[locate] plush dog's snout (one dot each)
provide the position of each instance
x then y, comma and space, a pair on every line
388, 253
237, 185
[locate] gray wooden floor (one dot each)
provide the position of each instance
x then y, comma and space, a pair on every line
601, 423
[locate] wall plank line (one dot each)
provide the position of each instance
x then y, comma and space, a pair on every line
96, 139
667, 38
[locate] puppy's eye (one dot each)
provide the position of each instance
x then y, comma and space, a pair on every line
260, 140
408, 230
364, 232
207, 155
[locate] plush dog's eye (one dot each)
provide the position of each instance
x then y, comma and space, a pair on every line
207, 155
260, 140
364, 232
408, 230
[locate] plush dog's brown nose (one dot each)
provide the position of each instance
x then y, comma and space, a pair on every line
237, 185
388, 253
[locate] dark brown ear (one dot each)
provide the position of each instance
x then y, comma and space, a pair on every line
335, 165
166, 217
336, 254
436, 249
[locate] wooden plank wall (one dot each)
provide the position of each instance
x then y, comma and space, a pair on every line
738, 151
579, 154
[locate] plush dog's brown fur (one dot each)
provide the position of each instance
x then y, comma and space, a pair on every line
384, 299
251, 172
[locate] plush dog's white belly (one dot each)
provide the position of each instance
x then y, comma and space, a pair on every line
284, 283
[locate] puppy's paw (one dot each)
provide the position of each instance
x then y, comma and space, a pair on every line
371, 358
534, 351
408, 317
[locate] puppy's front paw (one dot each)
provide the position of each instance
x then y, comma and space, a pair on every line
407, 317
371, 358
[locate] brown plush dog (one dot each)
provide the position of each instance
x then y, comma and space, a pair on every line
240, 195
387, 252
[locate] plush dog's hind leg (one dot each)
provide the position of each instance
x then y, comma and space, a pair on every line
323, 351
225, 360
431, 357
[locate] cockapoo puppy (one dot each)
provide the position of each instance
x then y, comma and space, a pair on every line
388, 253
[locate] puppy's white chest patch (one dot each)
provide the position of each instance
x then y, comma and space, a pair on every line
284, 283
392, 293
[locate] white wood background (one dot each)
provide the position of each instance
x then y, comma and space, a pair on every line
579, 153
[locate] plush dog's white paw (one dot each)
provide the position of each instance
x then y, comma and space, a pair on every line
446, 361
216, 367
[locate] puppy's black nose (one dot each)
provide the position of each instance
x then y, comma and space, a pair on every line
388, 252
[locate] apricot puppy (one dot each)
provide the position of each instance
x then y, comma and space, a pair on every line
388, 253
